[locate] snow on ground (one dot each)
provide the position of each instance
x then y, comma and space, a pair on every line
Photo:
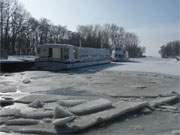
17, 58
149, 64
91, 83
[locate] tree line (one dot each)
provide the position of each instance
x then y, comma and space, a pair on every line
171, 49
20, 33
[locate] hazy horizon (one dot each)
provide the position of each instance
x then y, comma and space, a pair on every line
155, 22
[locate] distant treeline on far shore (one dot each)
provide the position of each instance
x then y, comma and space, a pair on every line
20, 33
170, 50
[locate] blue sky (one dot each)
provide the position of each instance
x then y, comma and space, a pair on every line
154, 21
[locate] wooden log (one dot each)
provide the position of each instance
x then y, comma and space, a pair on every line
91, 106
120, 108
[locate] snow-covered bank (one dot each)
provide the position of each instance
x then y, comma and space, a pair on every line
149, 64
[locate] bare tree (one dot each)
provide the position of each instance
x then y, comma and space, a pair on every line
171, 49
1, 16
20, 32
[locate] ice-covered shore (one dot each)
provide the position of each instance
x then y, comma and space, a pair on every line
127, 81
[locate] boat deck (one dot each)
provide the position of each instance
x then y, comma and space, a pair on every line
17, 63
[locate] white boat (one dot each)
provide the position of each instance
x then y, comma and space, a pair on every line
64, 56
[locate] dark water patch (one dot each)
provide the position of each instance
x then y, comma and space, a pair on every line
16, 66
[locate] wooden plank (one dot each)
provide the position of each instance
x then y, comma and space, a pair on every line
119, 109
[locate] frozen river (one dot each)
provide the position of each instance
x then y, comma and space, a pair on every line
110, 81
149, 64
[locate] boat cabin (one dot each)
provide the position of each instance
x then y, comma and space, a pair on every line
119, 54
69, 54
57, 52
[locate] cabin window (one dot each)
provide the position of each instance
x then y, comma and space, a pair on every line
50, 52
76, 53
61, 50
64, 53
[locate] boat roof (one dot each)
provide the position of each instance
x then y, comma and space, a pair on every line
56, 45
